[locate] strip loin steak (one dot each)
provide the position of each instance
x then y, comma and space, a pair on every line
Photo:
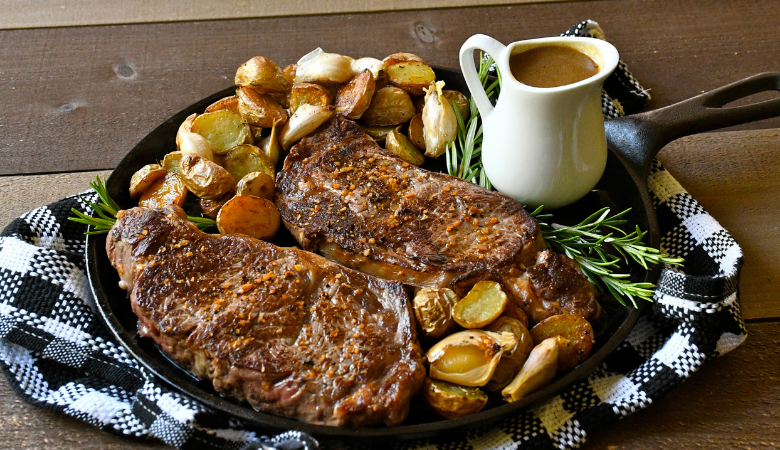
288, 331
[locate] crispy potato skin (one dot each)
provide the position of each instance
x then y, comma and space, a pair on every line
259, 110
211, 207
146, 175
229, 103
249, 215
577, 338
416, 135
168, 190
245, 159
308, 94
258, 184
223, 129
262, 75
461, 102
353, 99
389, 106
452, 401
396, 58
204, 178
399, 145
433, 311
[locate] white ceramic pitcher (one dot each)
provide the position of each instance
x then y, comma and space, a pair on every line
541, 146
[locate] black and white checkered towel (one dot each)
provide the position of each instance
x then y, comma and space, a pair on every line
58, 354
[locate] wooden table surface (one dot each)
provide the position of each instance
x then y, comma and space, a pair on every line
83, 81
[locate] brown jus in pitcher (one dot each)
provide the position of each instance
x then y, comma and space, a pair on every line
551, 66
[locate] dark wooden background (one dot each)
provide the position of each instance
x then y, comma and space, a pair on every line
76, 99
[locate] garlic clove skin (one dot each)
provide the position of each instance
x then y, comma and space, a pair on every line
440, 126
538, 371
194, 144
374, 65
305, 120
271, 147
320, 67
468, 358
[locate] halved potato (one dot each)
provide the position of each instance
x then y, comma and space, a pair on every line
223, 129
259, 110
146, 175
167, 190
308, 94
205, 178
289, 74
399, 145
228, 103
482, 305
211, 207
258, 184
249, 215
411, 76
353, 98
377, 133
515, 312
416, 131
577, 335
246, 159
389, 106
396, 58
461, 102
433, 311
172, 162
451, 401
262, 75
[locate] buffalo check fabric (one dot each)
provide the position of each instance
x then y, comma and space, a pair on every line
58, 354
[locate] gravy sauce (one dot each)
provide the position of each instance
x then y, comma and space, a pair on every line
551, 66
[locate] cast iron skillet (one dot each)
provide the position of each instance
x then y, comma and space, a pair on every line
633, 142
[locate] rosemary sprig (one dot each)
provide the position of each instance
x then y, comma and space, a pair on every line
464, 154
106, 210
586, 243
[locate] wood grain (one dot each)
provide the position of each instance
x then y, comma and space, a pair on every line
80, 98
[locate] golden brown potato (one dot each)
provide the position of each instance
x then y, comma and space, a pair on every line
419, 104
396, 58
377, 133
468, 358
433, 311
411, 76
389, 106
399, 145
262, 75
525, 343
483, 304
577, 335
258, 184
146, 175
259, 110
353, 98
538, 371
185, 126
223, 129
205, 178
308, 94
289, 74
415, 132
305, 120
228, 103
171, 162
461, 102
167, 190
257, 133
211, 207
249, 215
451, 401
515, 312
246, 159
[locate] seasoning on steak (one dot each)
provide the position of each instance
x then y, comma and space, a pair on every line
286, 330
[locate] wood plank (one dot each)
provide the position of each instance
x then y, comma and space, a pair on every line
80, 98
64, 13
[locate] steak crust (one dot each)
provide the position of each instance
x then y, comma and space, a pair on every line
286, 330
341, 194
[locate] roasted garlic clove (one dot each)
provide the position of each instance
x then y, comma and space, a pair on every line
271, 147
468, 358
374, 65
320, 67
305, 120
538, 371
482, 305
451, 401
576, 334
190, 143
512, 361
262, 75
440, 126
433, 311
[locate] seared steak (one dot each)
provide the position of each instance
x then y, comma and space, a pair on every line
283, 329
341, 194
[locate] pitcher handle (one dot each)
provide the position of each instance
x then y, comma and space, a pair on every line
493, 48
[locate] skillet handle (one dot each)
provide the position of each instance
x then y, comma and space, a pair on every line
639, 137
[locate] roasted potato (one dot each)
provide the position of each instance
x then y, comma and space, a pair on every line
146, 175
512, 361
258, 184
228, 103
167, 190
377, 133
262, 75
482, 305
389, 106
185, 126
433, 311
289, 74
194, 144
416, 133
400, 57
249, 215
308, 94
577, 335
399, 145
419, 104
451, 401
205, 178
305, 120
259, 110
246, 159
538, 371
223, 129
353, 98
411, 76
468, 358
461, 102
211, 207
515, 312
172, 162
